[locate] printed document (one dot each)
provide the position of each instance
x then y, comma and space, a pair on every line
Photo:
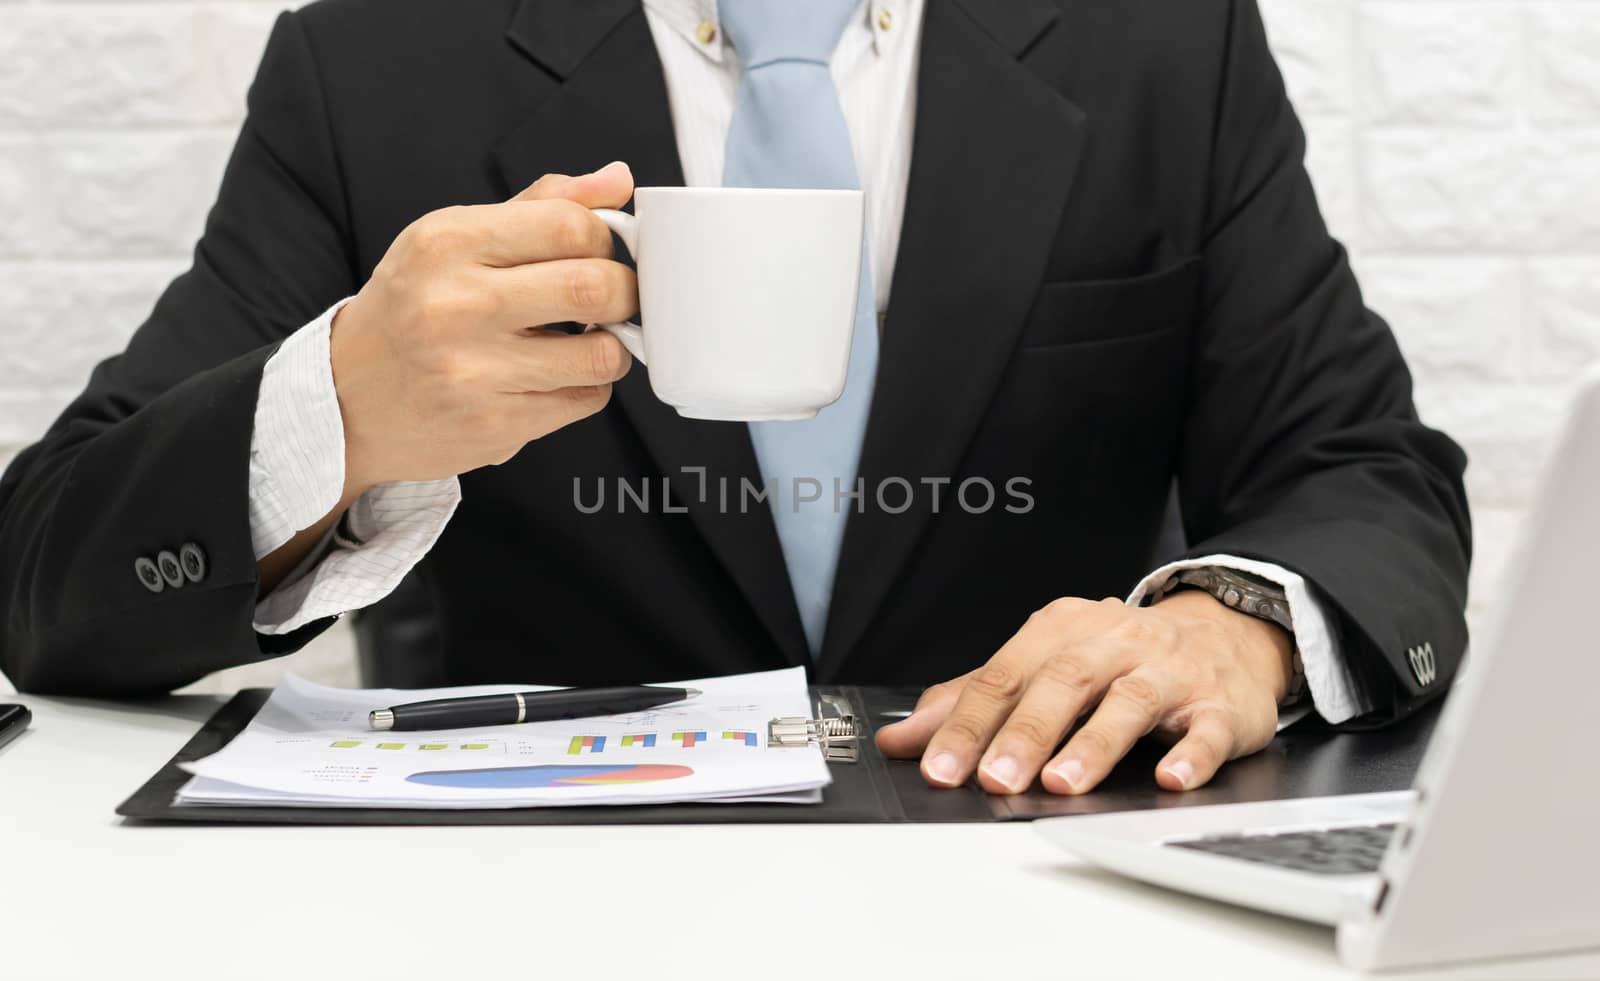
311, 746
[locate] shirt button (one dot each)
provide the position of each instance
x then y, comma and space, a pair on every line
171, 571
885, 20
148, 574
194, 561
706, 32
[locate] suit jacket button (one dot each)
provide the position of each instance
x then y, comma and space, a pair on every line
148, 574
194, 561
171, 571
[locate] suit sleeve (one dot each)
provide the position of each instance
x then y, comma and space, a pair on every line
1302, 446
154, 454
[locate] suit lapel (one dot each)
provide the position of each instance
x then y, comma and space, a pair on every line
995, 150
612, 105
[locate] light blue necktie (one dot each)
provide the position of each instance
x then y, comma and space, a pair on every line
789, 131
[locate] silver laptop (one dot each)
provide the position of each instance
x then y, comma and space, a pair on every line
1495, 851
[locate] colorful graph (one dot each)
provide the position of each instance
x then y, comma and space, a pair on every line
551, 775
748, 738
689, 738
644, 740
594, 744
353, 743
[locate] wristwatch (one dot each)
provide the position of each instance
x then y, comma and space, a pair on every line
1249, 595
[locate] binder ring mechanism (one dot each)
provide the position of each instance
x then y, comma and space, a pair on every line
837, 735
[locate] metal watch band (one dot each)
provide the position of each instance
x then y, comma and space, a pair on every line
1237, 591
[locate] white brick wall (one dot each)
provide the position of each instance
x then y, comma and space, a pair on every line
1455, 145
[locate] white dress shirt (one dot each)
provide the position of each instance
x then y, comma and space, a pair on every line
297, 451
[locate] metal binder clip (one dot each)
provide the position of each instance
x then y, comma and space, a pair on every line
838, 737
835, 730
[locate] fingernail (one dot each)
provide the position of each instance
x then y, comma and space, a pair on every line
943, 768
1183, 772
1072, 772
1004, 771
612, 166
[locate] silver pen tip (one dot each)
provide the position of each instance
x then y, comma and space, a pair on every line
692, 693
380, 719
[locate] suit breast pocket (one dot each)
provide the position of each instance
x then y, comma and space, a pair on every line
1113, 309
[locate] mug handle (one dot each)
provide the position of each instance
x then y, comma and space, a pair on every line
626, 227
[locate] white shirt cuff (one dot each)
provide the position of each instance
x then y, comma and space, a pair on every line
390, 528
1335, 693
297, 447
297, 477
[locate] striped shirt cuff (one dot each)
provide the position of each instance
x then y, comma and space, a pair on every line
297, 477
297, 448
386, 533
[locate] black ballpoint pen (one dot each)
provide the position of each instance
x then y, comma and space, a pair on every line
531, 706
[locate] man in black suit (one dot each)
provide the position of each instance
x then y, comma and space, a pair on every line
1112, 277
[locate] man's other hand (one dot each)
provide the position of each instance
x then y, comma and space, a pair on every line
440, 363
1189, 669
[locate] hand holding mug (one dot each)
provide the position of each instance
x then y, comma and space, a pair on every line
439, 362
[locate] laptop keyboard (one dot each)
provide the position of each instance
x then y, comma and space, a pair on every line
1349, 850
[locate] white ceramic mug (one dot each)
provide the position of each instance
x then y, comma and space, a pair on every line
748, 297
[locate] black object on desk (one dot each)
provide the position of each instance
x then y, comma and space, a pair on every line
1305, 761
525, 706
13, 719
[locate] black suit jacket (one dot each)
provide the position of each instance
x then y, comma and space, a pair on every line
1112, 276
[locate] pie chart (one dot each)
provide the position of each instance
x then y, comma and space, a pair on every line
554, 775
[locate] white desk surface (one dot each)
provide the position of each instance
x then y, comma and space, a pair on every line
83, 895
